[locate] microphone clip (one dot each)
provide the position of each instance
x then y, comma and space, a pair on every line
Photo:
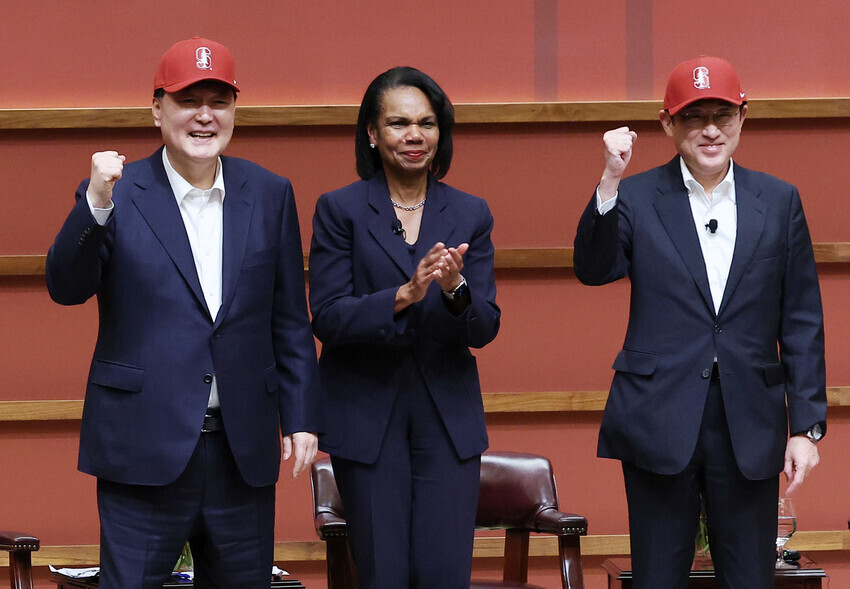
398, 229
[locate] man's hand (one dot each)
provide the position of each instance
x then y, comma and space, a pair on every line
304, 445
618, 152
801, 456
106, 169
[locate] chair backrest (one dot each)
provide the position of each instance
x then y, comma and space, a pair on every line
515, 487
19, 546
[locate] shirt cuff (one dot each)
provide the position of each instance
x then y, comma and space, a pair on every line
100, 215
604, 207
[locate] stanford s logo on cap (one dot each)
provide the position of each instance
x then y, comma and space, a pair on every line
701, 80
203, 55
190, 61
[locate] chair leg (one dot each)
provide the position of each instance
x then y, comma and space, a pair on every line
569, 548
20, 569
516, 556
340, 564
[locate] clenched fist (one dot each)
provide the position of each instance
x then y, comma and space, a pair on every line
106, 169
618, 152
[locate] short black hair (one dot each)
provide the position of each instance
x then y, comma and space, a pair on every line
159, 93
368, 159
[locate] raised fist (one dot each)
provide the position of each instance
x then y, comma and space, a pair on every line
106, 169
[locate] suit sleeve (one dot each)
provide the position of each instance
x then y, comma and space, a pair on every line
294, 347
340, 316
76, 258
801, 337
601, 252
479, 323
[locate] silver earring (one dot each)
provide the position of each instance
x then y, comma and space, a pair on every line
372, 145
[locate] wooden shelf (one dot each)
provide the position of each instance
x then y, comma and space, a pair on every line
485, 547
500, 113
516, 258
494, 403
28, 265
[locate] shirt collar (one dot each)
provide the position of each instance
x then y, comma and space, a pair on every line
724, 189
181, 187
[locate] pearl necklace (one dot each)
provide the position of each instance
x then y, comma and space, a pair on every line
398, 205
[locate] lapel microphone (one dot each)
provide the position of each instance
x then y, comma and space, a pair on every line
399, 230
711, 225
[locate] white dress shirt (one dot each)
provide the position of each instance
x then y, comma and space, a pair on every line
718, 247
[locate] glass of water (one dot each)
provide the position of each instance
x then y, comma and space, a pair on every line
786, 527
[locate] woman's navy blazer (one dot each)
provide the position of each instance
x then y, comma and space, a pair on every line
369, 354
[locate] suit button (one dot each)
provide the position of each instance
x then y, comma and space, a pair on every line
208, 378
382, 332
718, 329
216, 335
706, 373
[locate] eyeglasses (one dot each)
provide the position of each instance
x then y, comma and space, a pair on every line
698, 119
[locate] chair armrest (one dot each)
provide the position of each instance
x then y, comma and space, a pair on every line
18, 541
329, 525
552, 521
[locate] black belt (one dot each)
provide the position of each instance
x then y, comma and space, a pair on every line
212, 421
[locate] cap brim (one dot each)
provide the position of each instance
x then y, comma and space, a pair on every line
707, 96
177, 86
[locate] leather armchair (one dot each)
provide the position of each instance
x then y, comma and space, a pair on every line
518, 495
19, 546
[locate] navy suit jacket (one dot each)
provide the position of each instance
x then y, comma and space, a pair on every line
767, 335
369, 355
157, 344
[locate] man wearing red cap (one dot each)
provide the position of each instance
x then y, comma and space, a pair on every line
205, 353
724, 352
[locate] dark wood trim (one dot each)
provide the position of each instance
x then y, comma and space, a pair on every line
41, 410
528, 402
512, 258
499, 113
22, 265
485, 547
534, 258
541, 402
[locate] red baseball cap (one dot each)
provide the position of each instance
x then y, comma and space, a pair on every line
702, 78
194, 60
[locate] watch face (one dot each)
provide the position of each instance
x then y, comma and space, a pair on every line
815, 433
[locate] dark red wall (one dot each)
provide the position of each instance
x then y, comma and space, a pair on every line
556, 334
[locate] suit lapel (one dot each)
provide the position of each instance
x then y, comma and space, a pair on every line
436, 224
750, 211
155, 200
674, 210
381, 226
238, 207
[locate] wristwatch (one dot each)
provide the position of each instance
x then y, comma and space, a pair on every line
815, 433
458, 292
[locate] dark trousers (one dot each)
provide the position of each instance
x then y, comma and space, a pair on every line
664, 513
229, 525
411, 514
